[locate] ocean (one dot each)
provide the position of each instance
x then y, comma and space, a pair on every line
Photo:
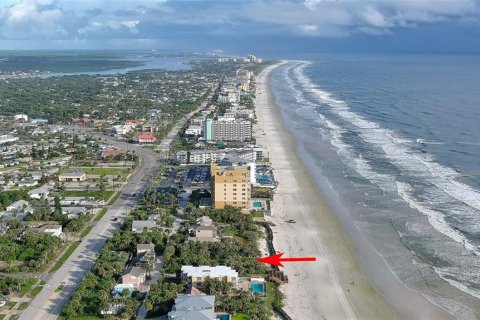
396, 140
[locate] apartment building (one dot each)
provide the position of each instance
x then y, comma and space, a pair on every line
228, 130
230, 186
232, 130
206, 156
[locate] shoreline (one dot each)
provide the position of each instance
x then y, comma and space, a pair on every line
336, 286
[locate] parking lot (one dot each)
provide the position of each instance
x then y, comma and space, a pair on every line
198, 176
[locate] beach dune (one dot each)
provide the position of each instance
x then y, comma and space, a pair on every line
335, 286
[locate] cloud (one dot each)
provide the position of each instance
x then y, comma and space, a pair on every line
374, 18
31, 18
308, 28
151, 19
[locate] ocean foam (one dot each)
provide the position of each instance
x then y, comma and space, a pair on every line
396, 148
435, 218
446, 275
442, 192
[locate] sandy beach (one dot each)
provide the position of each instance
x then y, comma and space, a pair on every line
334, 287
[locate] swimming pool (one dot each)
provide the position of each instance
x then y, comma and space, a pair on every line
257, 287
257, 204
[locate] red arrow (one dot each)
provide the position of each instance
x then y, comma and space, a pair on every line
277, 259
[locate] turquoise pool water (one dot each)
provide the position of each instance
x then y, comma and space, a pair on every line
257, 204
257, 287
224, 317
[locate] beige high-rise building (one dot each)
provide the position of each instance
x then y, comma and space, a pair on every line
230, 186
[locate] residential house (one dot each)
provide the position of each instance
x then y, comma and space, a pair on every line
73, 176
39, 121
37, 175
193, 307
145, 255
138, 226
18, 206
193, 130
74, 212
195, 276
134, 276
204, 230
132, 122
85, 201
39, 193
148, 127
122, 129
145, 247
51, 229
27, 183
113, 308
81, 121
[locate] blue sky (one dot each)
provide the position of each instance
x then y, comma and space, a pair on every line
269, 26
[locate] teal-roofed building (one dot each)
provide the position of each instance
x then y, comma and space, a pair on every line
208, 130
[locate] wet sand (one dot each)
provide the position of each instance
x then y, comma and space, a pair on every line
335, 286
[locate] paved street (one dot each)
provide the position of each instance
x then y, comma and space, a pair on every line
48, 304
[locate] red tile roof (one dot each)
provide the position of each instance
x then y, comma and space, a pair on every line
146, 136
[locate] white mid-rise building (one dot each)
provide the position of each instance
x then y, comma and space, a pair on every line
206, 156
6, 138
194, 130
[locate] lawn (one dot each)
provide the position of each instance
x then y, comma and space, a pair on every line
84, 193
240, 316
258, 214
115, 197
65, 256
27, 285
98, 171
9, 305
23, 306
86, 231
100, 215
35, 291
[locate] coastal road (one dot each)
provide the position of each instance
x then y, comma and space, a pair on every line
48, 304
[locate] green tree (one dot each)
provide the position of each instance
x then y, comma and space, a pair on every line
58, 206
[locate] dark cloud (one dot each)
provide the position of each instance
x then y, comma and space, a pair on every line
216, 24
